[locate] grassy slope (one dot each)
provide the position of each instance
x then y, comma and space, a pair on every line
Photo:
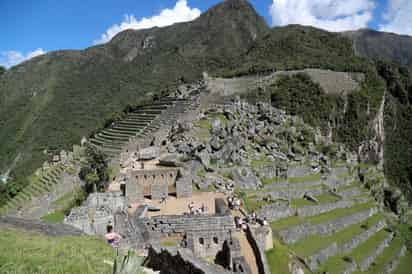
22, 252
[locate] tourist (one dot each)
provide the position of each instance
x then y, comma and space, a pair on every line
112, 238
253, 218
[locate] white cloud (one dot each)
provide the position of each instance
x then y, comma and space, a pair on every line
332, 15
180, 13
398, 17
12, 58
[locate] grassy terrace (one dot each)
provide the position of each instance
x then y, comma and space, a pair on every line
278, 258
334, 214
337, 264
387, 255
323, 199
405, 265
303, 179
315, 243
23, 252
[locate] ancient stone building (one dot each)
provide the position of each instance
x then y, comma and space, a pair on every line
155, 184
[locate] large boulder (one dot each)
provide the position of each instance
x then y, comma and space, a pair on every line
149, 153
172, 160
244, 178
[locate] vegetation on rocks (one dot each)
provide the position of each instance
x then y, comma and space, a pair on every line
96, 172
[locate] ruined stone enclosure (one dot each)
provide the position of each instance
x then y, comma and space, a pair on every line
155, 184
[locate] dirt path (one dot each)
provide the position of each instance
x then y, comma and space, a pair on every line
247, 252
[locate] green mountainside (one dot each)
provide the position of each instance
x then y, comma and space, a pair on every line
383, 46
50, 102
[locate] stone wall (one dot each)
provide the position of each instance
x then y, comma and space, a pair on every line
299, 171
321, 256
296, 233
359, 239
274, 212
257, 238
157, 183
97, 212
393, 264
114, 201
349, 193
179, 224
296, 193
180, 261
322, 208
90, 220
206, 243
366, 263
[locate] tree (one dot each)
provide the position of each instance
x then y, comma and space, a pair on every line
2, 70
95, 173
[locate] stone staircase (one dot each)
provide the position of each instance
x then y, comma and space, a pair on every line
140, 124
342, 231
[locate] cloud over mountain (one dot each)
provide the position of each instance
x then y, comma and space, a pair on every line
332, 15
11, 58
398, 17
180, 13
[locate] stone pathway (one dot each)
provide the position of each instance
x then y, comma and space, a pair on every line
247, 251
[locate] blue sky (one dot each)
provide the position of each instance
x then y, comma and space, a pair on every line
30, 27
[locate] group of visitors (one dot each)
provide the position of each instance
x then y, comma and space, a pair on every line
234, 203
194, 210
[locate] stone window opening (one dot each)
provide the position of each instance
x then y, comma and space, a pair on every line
215, 240
201, 241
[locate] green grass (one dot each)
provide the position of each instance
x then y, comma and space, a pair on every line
278, 258
387, 255
366, 248
269, 181
323, 199
303, 179
253, 203
405, 265
321, 218
23, 252
334, 265
312, 244
55, 217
